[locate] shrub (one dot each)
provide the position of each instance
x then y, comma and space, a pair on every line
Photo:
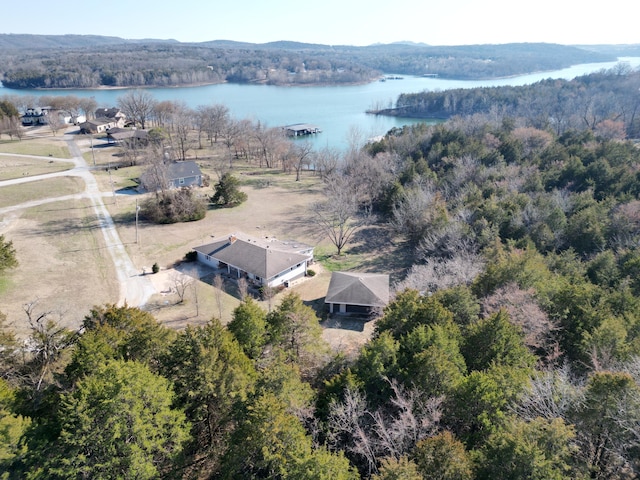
155, 268
174, 206
191, 256
310, 273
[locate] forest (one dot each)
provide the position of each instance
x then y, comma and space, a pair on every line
510, 349
583, 102
68, 61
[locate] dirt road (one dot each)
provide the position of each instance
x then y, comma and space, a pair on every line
135, 289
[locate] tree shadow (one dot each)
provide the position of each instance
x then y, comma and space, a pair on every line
303, 225
382, 250
346, 322
67, 226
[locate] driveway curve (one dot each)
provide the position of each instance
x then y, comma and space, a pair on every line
135, 289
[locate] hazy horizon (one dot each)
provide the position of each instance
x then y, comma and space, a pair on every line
333, 22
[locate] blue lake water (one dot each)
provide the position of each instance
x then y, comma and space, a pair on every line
338, 110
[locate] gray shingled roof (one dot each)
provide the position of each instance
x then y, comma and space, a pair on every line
124, 133
363, 289
252, 255
185, 169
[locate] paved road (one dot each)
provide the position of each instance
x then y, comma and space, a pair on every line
135, 289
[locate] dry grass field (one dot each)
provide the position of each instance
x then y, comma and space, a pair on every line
66, 267
17, 167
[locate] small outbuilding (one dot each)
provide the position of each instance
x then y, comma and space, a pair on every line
357, 293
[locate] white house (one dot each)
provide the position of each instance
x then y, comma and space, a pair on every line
264, 261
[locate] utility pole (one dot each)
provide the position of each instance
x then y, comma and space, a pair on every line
93, 155
113, 190
137, 210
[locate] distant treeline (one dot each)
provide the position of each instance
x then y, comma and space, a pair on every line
33, 62
169, 65
584, 102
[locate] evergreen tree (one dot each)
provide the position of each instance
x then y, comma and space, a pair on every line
536, 450
212, 375
249, 326
227, 191
117, 423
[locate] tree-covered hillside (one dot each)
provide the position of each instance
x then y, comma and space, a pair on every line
73, 61
590, 101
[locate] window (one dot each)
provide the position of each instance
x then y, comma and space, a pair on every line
181, 181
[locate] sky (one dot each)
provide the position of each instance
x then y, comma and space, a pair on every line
334, 22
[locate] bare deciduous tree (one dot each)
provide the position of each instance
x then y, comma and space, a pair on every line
180, 283
138, 106
338, 216
156, 177
298, 156
439, 274
243, 288
229, 133
271, 144
47, 341
55, 122
524, 311
419, 209
182, 128
551, 394
326, 162
211, 120
391, 432
218, 283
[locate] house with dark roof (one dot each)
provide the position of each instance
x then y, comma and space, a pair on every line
184, 174
98, 125
118, 135
105, 119
359, 293
172, 175
263, 261
113, 114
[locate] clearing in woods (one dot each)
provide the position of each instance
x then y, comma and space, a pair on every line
67, 263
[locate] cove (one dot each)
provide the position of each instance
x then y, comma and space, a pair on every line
339, 111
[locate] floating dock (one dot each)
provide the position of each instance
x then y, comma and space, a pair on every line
298, 129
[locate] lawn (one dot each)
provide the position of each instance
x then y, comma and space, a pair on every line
17, 167
64, 264
44, 147
40, 189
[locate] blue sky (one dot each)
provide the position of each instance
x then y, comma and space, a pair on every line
334, 22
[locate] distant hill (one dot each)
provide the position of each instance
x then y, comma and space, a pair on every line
632, 50
91, 61
23, 40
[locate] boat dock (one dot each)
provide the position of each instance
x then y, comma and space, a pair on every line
298, 129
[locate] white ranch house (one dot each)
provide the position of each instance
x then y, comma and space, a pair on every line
263, 261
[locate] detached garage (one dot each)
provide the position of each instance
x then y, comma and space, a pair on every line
357, 293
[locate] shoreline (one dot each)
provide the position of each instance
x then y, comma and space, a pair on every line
190, 85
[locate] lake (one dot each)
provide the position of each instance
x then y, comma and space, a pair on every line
338, 110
